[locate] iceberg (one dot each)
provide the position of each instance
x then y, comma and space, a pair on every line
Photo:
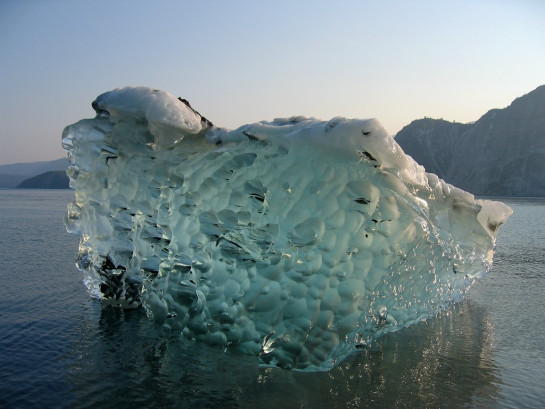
295, 240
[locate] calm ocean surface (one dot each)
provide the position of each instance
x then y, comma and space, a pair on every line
61, 349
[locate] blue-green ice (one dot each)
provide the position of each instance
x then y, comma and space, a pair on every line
296, 240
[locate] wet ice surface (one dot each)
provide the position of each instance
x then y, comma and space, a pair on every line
296, 240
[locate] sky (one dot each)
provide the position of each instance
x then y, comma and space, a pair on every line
240, 62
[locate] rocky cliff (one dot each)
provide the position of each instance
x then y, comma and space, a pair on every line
501, 154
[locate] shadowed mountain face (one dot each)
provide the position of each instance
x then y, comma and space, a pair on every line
55, 179
14, 174
502, 154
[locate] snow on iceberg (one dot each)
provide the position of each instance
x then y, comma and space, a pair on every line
295, 240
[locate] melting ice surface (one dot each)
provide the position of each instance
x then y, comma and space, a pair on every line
295, 240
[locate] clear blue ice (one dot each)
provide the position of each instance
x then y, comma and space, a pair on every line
296, 240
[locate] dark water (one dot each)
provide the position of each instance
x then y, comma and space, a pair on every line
61, 349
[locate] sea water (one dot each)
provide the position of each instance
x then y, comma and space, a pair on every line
60, 348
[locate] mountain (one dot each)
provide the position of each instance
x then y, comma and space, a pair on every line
55, 179
9, 181
13, 174
501, 154
34, 168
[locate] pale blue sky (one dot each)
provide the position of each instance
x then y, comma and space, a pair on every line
244, 61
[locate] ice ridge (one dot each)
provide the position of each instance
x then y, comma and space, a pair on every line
295, 240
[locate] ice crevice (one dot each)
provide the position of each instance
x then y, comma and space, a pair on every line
295, 240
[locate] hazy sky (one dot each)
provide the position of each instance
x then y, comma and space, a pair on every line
245, 61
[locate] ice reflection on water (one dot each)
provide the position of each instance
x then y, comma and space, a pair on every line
438, 363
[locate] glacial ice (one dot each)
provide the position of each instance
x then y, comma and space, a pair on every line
295, 240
